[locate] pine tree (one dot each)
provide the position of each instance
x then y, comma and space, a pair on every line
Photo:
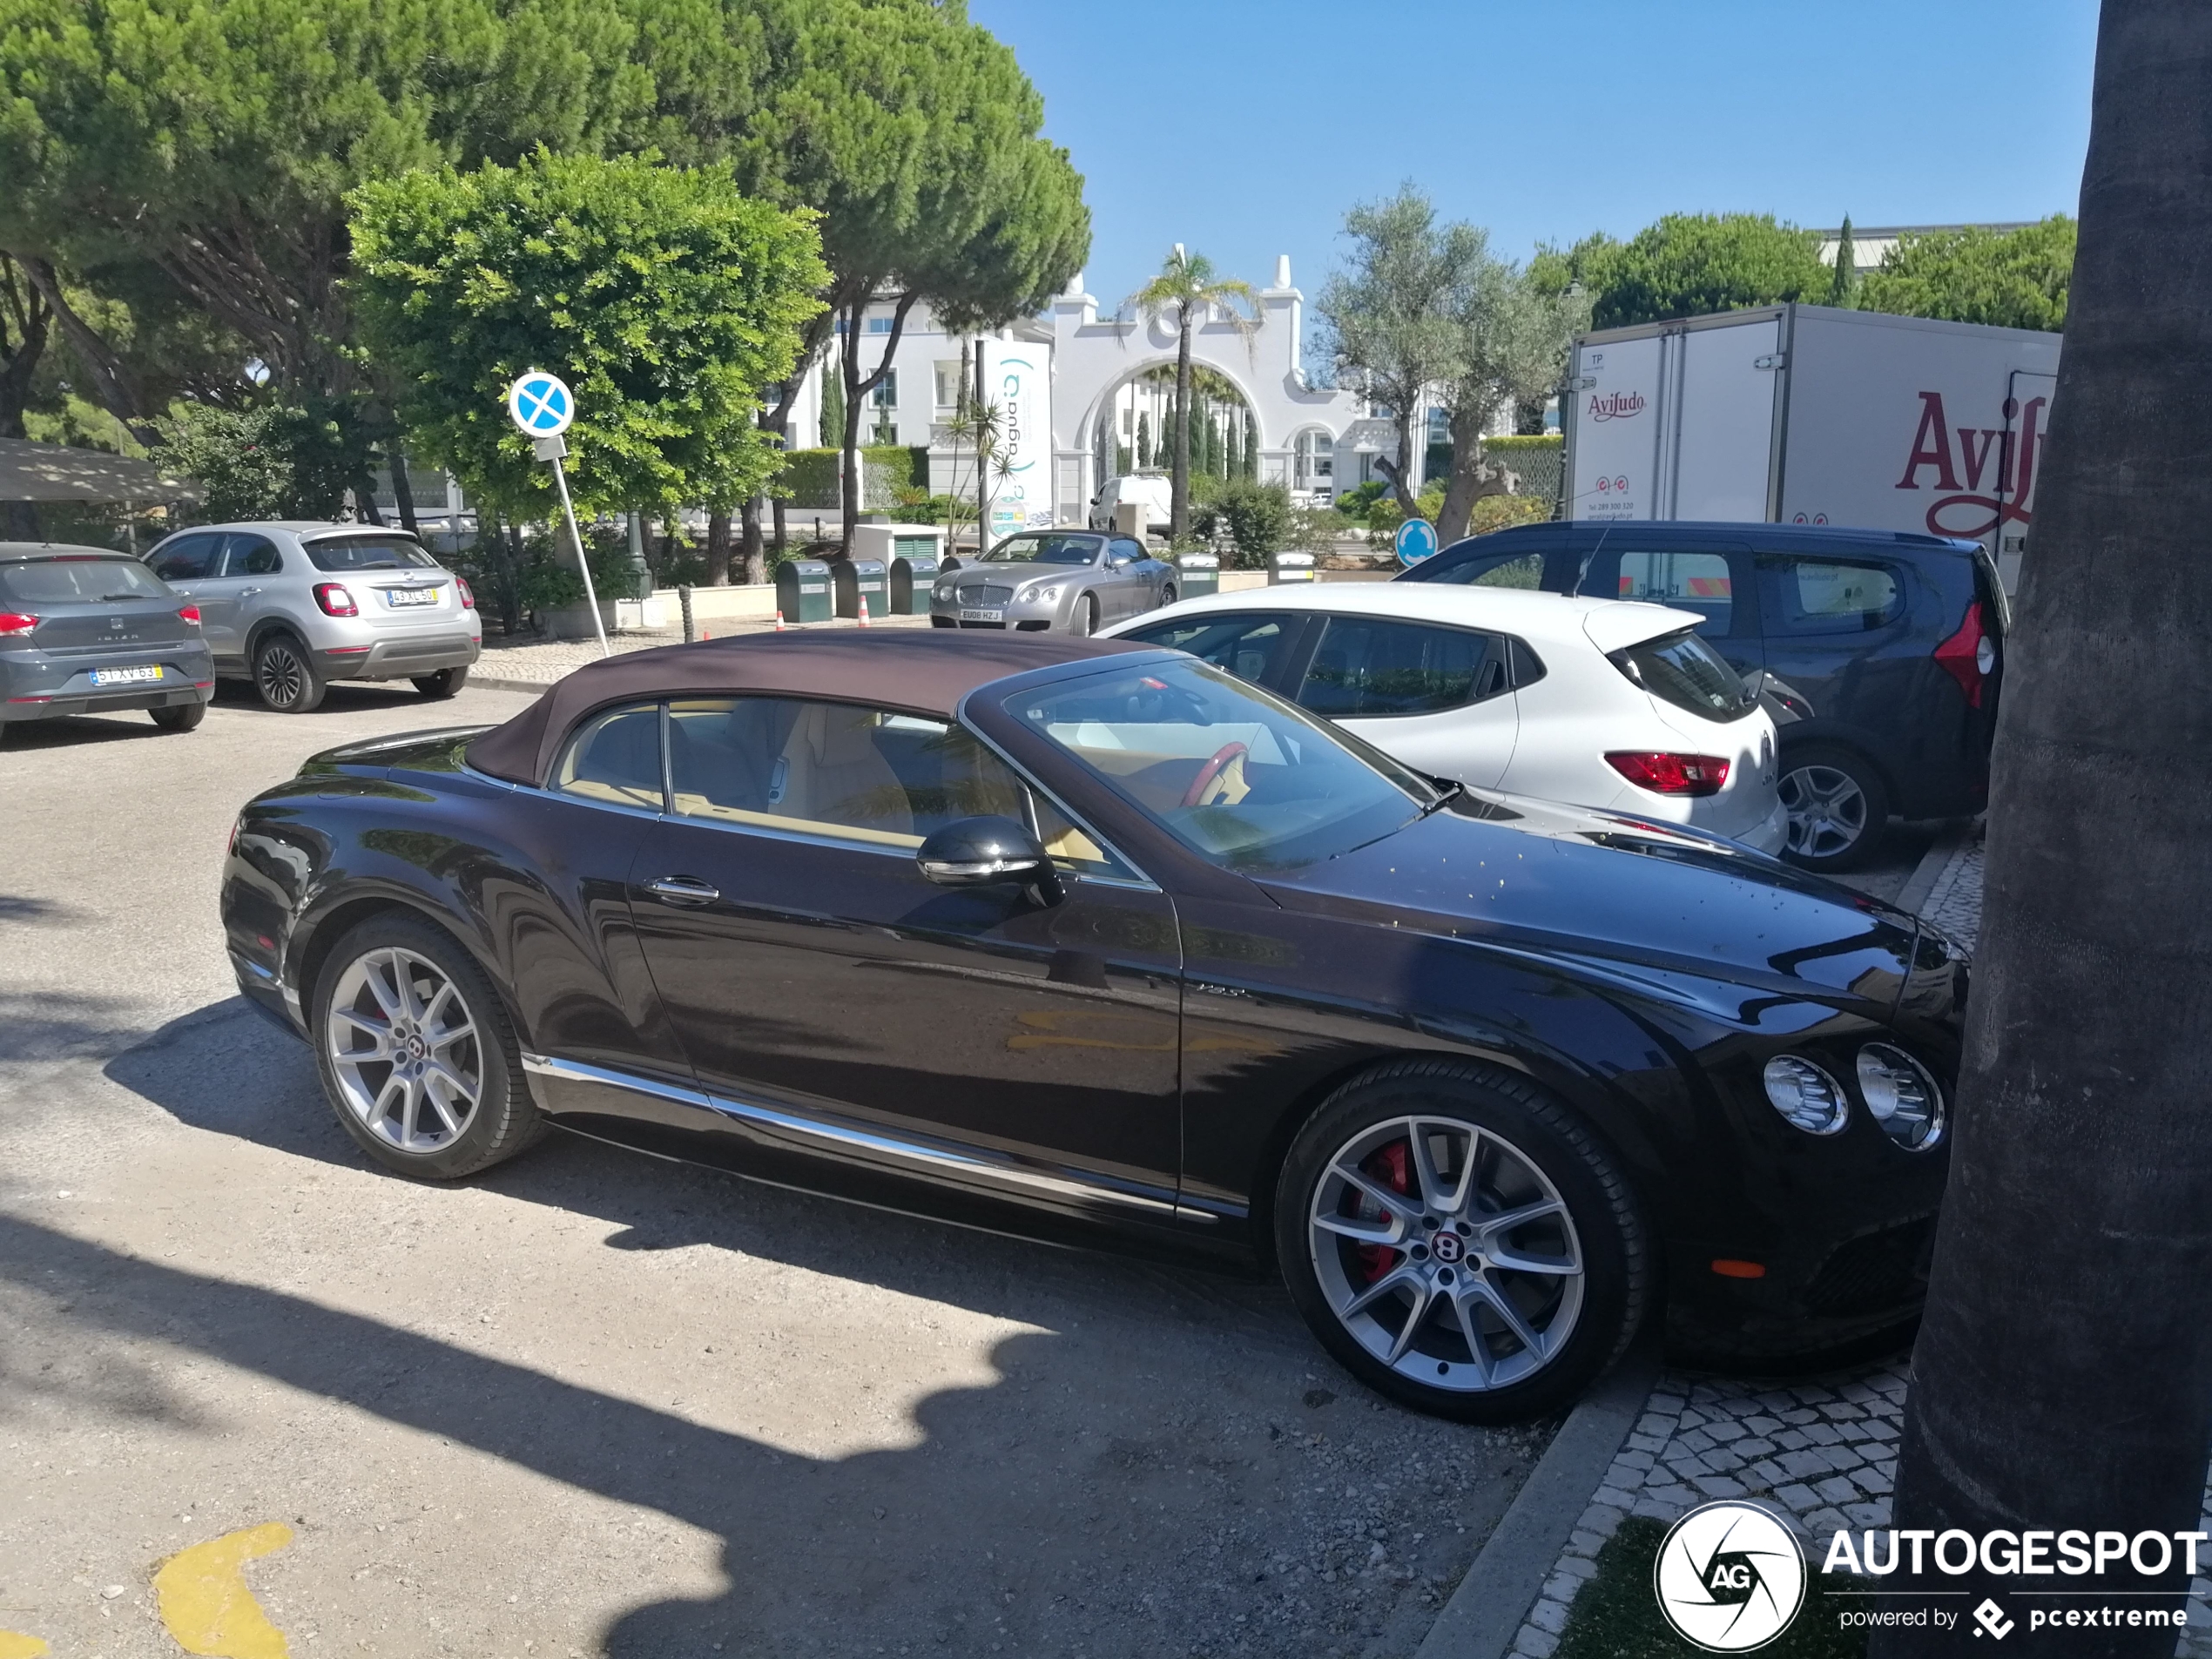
1843, 286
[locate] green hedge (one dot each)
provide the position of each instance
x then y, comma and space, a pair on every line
1533, 444
809, 477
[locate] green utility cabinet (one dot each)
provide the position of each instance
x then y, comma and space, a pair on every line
804, 590
1291, 567
859, 579
914, 564
1197, 574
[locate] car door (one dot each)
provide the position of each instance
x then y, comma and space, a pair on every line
247, 563
835, 1003
1838, 635
1129, 579
186, 564
1713, 579
1438, 699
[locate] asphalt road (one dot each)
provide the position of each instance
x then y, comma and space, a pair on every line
590, 1403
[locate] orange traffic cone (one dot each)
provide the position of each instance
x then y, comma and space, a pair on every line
864, 611
779, 622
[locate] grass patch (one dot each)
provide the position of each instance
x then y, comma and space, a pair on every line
1617, 1616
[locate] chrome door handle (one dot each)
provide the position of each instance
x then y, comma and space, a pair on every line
682, 889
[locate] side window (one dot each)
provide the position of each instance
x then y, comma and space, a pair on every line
852, 773
1247, 644
251, 555
187, 559
614, 757
1364, 668
1123, 548
1688, 581
1830, 596
1504, 569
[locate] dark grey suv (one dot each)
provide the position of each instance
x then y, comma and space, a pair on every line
84, 631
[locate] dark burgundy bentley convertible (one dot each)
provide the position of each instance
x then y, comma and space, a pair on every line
1082, 938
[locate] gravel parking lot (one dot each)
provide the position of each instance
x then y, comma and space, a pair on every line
593, 1403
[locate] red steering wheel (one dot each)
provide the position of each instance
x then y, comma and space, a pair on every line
1211, 770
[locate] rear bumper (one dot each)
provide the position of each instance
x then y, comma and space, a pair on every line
400, 658
34, 687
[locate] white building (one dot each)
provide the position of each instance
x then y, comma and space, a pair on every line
1080, 379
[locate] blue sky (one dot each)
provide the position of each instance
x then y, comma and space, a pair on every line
1245, 129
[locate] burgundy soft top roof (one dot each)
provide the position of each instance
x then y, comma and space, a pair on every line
928, 672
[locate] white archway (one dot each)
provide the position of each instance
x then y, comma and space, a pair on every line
1093, 357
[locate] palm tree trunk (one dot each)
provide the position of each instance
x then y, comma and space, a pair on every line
2063, 1377
1179, 496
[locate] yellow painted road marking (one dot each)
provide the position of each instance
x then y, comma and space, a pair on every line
15, 1645
204, 1603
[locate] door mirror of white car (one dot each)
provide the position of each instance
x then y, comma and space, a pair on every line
989, 851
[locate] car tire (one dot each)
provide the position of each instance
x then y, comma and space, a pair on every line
390, 986
182, 717
1839, 806
1086, 618
443, 684
1167, 595
1542, 1331
284, 675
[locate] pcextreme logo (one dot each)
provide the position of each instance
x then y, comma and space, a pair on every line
1729, 1577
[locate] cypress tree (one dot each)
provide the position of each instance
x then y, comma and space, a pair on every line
1143, 440
1843, 286
1252, 447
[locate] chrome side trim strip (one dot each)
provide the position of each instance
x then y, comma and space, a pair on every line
835, 1136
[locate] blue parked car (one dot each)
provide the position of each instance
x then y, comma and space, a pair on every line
1879, 653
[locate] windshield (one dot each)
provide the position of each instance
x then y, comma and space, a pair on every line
1046, 548
1683, 670
1239, 777
79, 580
368, 553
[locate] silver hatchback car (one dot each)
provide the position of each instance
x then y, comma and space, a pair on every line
292, 606
1063, 581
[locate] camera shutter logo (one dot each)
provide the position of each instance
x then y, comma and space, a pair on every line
1729, 1577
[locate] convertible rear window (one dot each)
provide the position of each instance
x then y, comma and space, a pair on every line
79, 581
1236, 775
368, 553
1684, 671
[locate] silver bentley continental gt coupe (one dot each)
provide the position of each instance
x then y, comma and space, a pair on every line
1066, 581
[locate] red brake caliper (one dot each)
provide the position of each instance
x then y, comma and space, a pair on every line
1388, 1166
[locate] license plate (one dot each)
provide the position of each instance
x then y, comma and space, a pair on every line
981, 615
126, 675
410, 595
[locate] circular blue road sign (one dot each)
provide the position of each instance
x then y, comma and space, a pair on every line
1416, 541
541, 404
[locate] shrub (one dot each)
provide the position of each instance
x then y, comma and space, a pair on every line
1255, 517
1501, 512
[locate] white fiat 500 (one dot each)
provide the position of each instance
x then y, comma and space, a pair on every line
1601, 703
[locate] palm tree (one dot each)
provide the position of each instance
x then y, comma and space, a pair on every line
1186, 289
2064, 1369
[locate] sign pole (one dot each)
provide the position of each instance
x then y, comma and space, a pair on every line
552, 450
541, 405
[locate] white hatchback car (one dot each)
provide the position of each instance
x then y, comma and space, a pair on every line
1600, 703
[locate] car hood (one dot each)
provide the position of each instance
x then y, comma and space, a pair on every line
1690, 916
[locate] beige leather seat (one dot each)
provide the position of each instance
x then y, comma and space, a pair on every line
834, 773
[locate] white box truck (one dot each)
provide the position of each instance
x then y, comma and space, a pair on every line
1804, 414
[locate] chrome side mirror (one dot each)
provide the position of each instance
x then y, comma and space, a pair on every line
986, 852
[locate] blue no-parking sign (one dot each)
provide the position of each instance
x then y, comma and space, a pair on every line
1416, 541
541, 404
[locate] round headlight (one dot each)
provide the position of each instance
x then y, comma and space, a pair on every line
1805, 1094
1903, 1097
1046, 596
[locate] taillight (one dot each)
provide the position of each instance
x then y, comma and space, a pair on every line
1969, 656
335, 600
16, 622
190, 614
1670, 774
467, 598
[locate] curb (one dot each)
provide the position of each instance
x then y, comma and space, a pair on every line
1913, 895
490, 683
1485, 1613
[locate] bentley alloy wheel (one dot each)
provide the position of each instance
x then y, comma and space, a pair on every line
404, 1050
1446, 1253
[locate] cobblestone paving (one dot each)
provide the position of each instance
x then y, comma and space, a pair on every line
1823, 1453
540, 662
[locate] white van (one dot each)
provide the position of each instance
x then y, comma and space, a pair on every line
1152, 488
